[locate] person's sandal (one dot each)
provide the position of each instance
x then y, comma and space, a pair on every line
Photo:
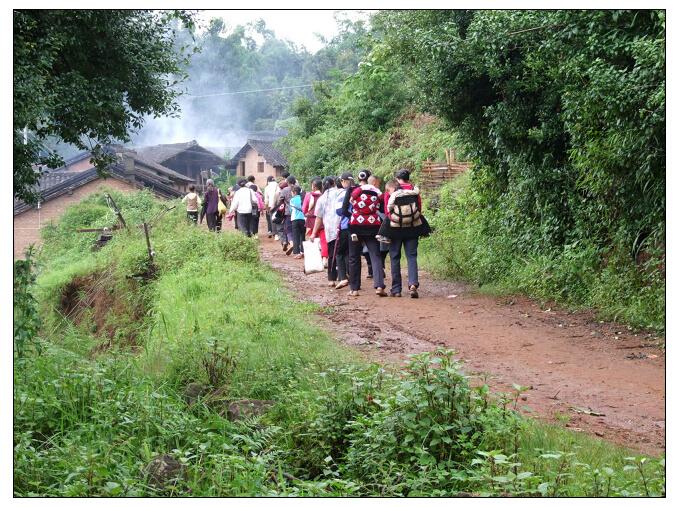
341, 284
413, 292
285, 246
380, 292
353, 293
394, 294
331, 284
298, 256
289, 250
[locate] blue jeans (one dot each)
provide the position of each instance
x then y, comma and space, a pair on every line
410, 247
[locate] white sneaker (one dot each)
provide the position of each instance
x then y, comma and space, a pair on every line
275, 237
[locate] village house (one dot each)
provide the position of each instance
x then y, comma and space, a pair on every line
74, 181
260, 158
189, 159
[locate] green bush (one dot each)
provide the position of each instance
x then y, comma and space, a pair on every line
471, 242
87, 422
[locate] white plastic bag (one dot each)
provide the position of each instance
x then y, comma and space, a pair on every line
313, 263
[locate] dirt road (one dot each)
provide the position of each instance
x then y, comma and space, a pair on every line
595, 377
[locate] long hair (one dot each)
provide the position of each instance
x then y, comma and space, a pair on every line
328, 183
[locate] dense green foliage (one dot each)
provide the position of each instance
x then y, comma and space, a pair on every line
92, 410
26, 318
87, 77
563, 115
563, 111
346, 119
470, 243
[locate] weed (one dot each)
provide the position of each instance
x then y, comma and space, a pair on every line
88, 425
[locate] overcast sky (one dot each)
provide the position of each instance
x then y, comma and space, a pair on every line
298, 26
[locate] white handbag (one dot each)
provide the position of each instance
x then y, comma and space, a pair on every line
313, 263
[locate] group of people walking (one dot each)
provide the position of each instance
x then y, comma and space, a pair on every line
350, 219
243, 205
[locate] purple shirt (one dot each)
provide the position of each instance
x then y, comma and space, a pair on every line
211, 200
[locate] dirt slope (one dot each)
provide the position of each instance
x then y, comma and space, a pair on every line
597, 377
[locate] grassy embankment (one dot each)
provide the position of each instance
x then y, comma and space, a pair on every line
108, 391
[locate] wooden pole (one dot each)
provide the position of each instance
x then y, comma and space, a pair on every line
117, 211
148, 242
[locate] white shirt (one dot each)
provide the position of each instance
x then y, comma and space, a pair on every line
242, 201
270, 194
325, 208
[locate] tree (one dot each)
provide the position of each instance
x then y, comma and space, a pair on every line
88, 77
563, 111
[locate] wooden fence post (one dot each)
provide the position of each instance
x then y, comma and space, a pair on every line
148, 242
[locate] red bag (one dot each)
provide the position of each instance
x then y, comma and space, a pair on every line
364, 206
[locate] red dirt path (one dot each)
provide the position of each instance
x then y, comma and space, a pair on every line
571, 361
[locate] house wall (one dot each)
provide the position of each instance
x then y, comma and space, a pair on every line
251, 160
27, 225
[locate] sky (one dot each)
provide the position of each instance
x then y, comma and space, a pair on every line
299, 26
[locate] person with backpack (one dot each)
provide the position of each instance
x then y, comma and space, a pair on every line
361, 205
193, 203
406, 226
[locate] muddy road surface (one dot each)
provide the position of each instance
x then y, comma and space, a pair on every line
593, 377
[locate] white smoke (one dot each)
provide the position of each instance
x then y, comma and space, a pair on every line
214, 122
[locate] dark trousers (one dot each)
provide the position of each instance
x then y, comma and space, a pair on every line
211, 220
243, 223
254, 223
355, 250
410, 248
286, 231
193, 216
298, 231
235, 220
278, 229
342, 255
383, 255
332, 266
269, 223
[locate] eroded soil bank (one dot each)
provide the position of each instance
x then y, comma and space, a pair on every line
592, 376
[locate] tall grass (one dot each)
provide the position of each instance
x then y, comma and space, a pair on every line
469, 243
88, 420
